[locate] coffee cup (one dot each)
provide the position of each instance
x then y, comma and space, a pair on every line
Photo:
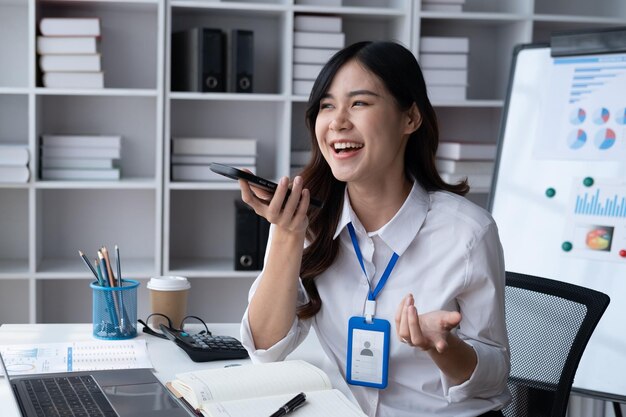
168, 296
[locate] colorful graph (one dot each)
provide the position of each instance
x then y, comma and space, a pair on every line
576, 139
577, 116
604, 139
599, 238
620, 116
596, 204
601, 116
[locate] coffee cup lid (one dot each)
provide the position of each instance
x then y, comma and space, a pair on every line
168, 283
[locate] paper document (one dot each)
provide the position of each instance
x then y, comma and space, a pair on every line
75, 356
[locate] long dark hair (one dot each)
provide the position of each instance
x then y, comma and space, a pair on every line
399, 71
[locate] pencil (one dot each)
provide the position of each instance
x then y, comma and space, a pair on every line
109, 269
120, 284
119, 266
105, 273
99, 271
82, 255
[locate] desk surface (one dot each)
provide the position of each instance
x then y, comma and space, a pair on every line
167, 358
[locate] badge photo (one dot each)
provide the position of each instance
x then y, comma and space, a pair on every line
368, 352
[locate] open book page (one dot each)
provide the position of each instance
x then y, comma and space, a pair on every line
249, 381
318, 403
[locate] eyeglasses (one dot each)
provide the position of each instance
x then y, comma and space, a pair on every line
157, 333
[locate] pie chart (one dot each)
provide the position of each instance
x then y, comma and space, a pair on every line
577, 116
576, 139
601, 116
604, 139
620, 116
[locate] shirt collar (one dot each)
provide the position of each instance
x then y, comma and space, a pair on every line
400, 231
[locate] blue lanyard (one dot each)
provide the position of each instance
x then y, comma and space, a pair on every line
383, 279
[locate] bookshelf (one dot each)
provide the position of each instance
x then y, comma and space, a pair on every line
187, 228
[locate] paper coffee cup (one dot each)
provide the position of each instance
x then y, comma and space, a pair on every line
168, 296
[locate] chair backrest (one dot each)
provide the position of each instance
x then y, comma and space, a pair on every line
549, 324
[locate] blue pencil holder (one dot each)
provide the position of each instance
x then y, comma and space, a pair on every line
115, 310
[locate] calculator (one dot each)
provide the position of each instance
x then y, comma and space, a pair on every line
202, 347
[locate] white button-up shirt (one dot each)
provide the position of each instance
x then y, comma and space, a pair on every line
450, 259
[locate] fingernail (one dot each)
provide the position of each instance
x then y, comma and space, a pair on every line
408, 300
297, 180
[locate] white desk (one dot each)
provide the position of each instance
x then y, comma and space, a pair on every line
167, 358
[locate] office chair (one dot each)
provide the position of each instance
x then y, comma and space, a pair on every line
549, 324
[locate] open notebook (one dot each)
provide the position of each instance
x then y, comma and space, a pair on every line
261, 389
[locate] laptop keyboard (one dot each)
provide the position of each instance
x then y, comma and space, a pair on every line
76, 396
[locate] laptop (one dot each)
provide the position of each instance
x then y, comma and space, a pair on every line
110, 393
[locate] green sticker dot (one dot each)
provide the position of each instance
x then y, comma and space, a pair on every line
550, 192
588, 182
567, 246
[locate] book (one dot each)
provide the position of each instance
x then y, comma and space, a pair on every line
86, 163
76, 62
214, 146
319, 39
80, 152
14, 173
447, 92
320, 2
444, 44
313, 55
451, 166
474, 180
302, 87
441, 7
97, 141
445, 76
261, 389
80, 174
14, 154
466, 150
201, 173
73, 79
444, 61
69, 26
67, 45
306, 71
235, 161
316, 23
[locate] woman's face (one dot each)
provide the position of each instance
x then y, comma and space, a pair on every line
360, 130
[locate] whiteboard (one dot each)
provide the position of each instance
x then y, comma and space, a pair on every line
559, 192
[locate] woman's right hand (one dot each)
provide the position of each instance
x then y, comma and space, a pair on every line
289, 216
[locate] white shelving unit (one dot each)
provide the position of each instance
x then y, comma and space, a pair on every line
165, 227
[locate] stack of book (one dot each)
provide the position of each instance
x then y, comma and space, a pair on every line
68, 53
298, 160
443, 5
444, 65
191, 157
315, 40
14, 160
474, 161
80, 157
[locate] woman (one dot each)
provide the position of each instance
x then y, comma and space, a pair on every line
392, 244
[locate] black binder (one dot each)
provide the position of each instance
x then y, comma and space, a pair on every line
251, 234
198, 60
242, 61
246, 238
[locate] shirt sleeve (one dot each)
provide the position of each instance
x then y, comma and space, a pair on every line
483, 324
296, 334
279, 351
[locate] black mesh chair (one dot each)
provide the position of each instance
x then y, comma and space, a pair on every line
549, 324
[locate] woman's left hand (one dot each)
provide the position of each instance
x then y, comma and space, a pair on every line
425, 331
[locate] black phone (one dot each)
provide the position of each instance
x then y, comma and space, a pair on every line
267, 185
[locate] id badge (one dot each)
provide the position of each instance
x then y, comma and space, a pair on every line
368, 352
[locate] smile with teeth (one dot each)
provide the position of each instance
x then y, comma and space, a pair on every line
346, 146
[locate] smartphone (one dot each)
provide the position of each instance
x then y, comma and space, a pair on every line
257, 181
